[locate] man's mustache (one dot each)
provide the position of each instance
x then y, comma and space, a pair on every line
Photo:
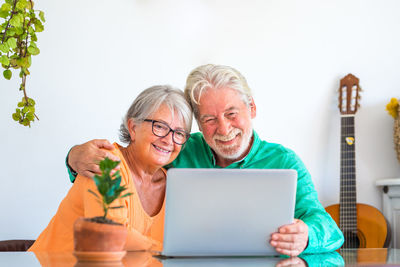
228, 137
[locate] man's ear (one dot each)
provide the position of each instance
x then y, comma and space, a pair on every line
253, 109
132, 128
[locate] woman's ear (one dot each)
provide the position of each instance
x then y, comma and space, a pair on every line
132, 128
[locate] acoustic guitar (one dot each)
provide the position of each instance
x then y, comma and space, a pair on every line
363, 226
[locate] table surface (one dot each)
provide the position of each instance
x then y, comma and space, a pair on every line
353, 257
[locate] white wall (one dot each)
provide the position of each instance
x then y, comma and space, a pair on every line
97, 55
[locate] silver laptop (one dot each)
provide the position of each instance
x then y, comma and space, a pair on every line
226, 212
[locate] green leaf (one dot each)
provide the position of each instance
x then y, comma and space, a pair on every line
34, 50
118, 207
16, 116
10, 32
29, 5
26, 122
38, 26
6, 7
126, 195
4, 48
12, 43
21, 104
19, 30
30, 116
41, 16
23, 62
93, 193
33, 37
7, 74
117, 173
103, 188
31, 109
4, 14
17, 20
97, 180
116, 183
21, 4
31, 101
4, 60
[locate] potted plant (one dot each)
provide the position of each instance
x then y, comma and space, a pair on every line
100, 238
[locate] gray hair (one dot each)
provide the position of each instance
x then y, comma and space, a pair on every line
215, 77
149, 101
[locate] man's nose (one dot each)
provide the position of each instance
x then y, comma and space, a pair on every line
224, 127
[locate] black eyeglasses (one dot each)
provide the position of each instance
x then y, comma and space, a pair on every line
161, 129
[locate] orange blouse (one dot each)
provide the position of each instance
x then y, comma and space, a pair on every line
144, 232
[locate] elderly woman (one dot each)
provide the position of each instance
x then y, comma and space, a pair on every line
155, 127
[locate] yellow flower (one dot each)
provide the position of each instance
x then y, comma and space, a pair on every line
392, 107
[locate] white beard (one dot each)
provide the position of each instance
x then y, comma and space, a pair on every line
232, 154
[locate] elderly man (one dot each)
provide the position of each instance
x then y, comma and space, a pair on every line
224, 109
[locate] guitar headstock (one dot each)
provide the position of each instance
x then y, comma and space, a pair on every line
349, 95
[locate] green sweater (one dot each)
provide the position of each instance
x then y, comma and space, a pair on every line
323, 233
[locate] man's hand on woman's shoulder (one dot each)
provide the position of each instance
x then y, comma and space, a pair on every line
84, 158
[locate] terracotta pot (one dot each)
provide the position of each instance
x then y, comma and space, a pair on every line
92, 236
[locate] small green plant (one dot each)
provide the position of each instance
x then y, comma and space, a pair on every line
109, 187
17, 45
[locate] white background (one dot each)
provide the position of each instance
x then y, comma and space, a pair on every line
97, 55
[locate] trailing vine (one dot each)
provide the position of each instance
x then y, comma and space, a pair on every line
17, 45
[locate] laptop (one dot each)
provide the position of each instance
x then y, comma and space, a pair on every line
226, 212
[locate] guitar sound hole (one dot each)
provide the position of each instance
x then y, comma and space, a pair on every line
351, 240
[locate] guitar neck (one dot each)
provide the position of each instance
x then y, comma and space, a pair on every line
348, 197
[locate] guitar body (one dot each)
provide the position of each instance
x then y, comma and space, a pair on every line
371, 225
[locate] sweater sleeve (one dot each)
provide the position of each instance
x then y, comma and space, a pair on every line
323, 232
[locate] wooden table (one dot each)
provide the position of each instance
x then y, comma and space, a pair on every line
353, 257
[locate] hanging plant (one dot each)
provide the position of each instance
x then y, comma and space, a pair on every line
17, 46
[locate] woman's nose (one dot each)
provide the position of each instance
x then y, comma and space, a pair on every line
168, 138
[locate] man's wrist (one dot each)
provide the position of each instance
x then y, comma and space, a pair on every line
72, 173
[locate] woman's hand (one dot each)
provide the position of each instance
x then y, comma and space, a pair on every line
84, 159
291, 239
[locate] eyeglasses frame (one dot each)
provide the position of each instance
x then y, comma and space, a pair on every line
170, 130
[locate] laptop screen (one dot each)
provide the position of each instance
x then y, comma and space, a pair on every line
226, 212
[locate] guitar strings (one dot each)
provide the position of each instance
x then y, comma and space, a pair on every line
348, 212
